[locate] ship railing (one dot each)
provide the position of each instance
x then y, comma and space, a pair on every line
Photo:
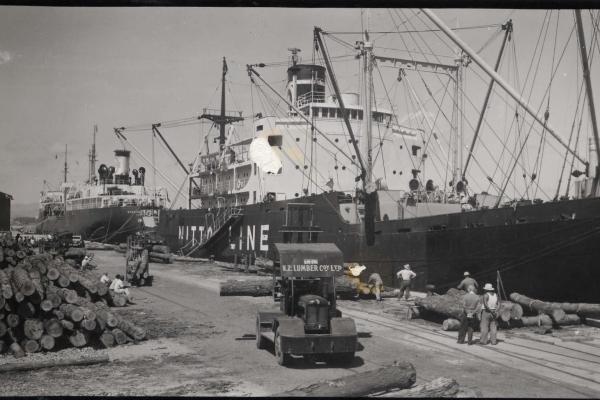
220, 187
310, 97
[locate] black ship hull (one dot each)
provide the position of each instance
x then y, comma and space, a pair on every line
110, 225
547, 251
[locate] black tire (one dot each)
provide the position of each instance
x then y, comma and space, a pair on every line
282, 358
261, 342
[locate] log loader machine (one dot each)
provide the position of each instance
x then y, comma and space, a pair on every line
308, 322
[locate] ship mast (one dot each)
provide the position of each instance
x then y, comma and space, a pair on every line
367, 49
92, 156
588, 87
66, 168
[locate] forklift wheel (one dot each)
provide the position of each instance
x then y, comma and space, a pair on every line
282, 358
261, 342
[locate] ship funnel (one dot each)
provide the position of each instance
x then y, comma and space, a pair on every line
111, 172
414, 184
122, 171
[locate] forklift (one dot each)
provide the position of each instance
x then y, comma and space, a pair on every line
308, 322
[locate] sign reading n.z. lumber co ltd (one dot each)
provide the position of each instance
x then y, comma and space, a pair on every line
310, 260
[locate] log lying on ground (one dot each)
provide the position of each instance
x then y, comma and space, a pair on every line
160, 257
254, 288
161, 249
190, 259
76, 253
54, 363
437, 388
581, 309
399, 376
540, 306
257, 288
120, 250
451, 325
540, 320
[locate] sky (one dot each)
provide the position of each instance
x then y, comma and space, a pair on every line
63, 70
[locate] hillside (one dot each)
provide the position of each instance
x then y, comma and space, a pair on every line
23, 210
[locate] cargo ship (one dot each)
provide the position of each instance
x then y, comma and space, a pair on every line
108, 207
343, 165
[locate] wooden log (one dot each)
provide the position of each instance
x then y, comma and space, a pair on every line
165, 258
2, 301
72, 312
88, 285
17, 351
79, 338
119, 336
123, 246
516, 311
30, 346
88, 324
76, 253
25, 310
7, 292
22, 281
40, 266
54, 327
110, 318
399, 376
46, 305
33, 328
451, 325
161, 249
88, 313
413, 313
13, 320
252, 288
3, 328
58, 314
445, 305
54, 363
437, 388
20, 254
540, 320
540, 306
116, 299
581, 309
120, 250
101, 288
54, 299
107, 339
68, 325
570, 319
36, 279
47, 342
136, 332
66, 295
52, 273
18, 296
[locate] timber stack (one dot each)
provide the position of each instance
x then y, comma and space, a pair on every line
46, 303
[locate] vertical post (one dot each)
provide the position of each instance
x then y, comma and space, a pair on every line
368, 108
235, 263
221, 124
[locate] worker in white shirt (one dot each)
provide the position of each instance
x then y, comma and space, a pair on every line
491, 304
86, 263
105, 279
118, 286
406, 274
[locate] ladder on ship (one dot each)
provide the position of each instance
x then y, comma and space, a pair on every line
220, 224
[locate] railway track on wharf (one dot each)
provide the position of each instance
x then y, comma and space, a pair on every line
580, 369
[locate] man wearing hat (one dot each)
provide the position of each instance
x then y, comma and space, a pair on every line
85, 264
466, 282
491, 303
105, 279
406, 274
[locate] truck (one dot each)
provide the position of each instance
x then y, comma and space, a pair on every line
308, 322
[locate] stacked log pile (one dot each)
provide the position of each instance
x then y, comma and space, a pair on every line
137, 271
46, 303
560, 313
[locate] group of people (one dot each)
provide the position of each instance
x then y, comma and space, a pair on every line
117, 285
489, 305
485, 306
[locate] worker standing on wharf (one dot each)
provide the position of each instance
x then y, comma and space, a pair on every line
467, 319
376, 280
491, 303
406, 275
466, 282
